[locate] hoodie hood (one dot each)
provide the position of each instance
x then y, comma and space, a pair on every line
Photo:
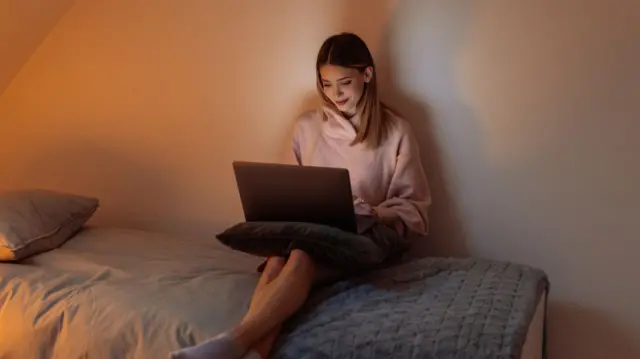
336, 125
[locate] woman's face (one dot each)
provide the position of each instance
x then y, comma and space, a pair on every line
344, 86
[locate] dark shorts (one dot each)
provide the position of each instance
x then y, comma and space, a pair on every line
390, 242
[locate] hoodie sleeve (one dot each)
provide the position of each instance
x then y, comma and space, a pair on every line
300, 139
295, 144
409, 196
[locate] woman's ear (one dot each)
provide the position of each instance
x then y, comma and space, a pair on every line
368, 74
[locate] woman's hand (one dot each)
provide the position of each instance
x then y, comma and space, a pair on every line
362, 208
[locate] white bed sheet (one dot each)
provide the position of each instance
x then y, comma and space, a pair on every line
114, 293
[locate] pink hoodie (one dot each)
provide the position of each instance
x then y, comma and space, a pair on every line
389, 180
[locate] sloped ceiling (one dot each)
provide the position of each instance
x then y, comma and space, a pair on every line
24, 24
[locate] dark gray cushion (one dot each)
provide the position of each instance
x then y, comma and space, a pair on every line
327, 245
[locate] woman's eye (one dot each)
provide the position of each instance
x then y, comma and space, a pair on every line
326, 85
347, 83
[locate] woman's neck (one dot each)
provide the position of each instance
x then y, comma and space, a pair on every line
348, 115
353, 119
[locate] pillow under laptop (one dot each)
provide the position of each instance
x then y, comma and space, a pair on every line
327, 245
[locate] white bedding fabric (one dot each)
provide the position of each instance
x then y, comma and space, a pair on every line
114, 293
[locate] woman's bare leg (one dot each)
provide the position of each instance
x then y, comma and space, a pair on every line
280, 292
263, 346
322, 275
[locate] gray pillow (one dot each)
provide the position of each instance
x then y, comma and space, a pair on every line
34, 221
327, 245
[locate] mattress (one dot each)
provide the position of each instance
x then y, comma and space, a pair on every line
117, 293
534, 345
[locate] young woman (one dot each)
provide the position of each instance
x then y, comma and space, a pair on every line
352, 130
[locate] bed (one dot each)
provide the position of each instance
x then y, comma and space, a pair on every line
122, 293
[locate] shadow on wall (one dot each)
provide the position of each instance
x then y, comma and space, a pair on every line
417, 46
447, 234
578, 332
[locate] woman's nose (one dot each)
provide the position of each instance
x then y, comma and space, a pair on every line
338, 91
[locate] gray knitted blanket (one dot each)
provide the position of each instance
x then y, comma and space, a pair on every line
430, 308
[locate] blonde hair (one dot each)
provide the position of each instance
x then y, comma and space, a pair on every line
350, 51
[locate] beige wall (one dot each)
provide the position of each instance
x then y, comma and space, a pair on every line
526, 111
23, 26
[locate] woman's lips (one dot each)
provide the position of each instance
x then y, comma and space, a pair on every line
340, 103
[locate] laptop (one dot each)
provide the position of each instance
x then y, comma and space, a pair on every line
290, 193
